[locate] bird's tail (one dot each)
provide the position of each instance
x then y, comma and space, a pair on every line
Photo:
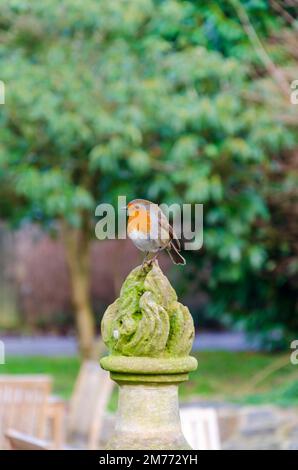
175, 256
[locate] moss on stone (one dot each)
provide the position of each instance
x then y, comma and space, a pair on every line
148, 365
147, 320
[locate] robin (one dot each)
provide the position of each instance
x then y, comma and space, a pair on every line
150, 231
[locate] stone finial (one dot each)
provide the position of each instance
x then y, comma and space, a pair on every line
149, 335
147, 320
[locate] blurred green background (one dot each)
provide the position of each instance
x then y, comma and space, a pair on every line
174, 101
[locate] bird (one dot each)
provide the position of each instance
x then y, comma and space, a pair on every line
150, 231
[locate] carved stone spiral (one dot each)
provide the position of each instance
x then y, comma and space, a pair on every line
147, 320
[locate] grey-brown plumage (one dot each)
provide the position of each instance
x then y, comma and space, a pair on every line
150, 230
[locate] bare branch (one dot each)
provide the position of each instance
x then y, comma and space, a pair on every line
272, 69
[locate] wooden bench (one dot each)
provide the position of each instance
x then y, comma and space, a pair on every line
24, 404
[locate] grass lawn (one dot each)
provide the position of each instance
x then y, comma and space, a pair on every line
237, 377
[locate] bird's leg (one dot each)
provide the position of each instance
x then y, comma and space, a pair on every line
145, 259
154, 257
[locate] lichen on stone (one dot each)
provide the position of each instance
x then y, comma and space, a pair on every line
147, 319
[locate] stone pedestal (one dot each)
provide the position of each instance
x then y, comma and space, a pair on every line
148, 418
149, 335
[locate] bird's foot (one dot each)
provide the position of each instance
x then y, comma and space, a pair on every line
147, 263
154, 259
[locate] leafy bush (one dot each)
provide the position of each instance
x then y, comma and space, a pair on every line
163, 99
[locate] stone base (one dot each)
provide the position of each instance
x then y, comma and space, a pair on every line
148, 418
148, 409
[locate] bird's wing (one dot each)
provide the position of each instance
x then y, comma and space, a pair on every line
174, 238
166, 226
168, 229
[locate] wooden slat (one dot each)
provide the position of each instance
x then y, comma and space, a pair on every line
200, 428
23, 404
21, 441
88, 404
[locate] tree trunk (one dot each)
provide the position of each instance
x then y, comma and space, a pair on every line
77, 249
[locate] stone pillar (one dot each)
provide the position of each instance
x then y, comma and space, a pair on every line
149, 335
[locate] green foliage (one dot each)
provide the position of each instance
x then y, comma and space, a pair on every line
149, 98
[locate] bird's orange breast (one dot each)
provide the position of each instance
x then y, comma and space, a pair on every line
139, 220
